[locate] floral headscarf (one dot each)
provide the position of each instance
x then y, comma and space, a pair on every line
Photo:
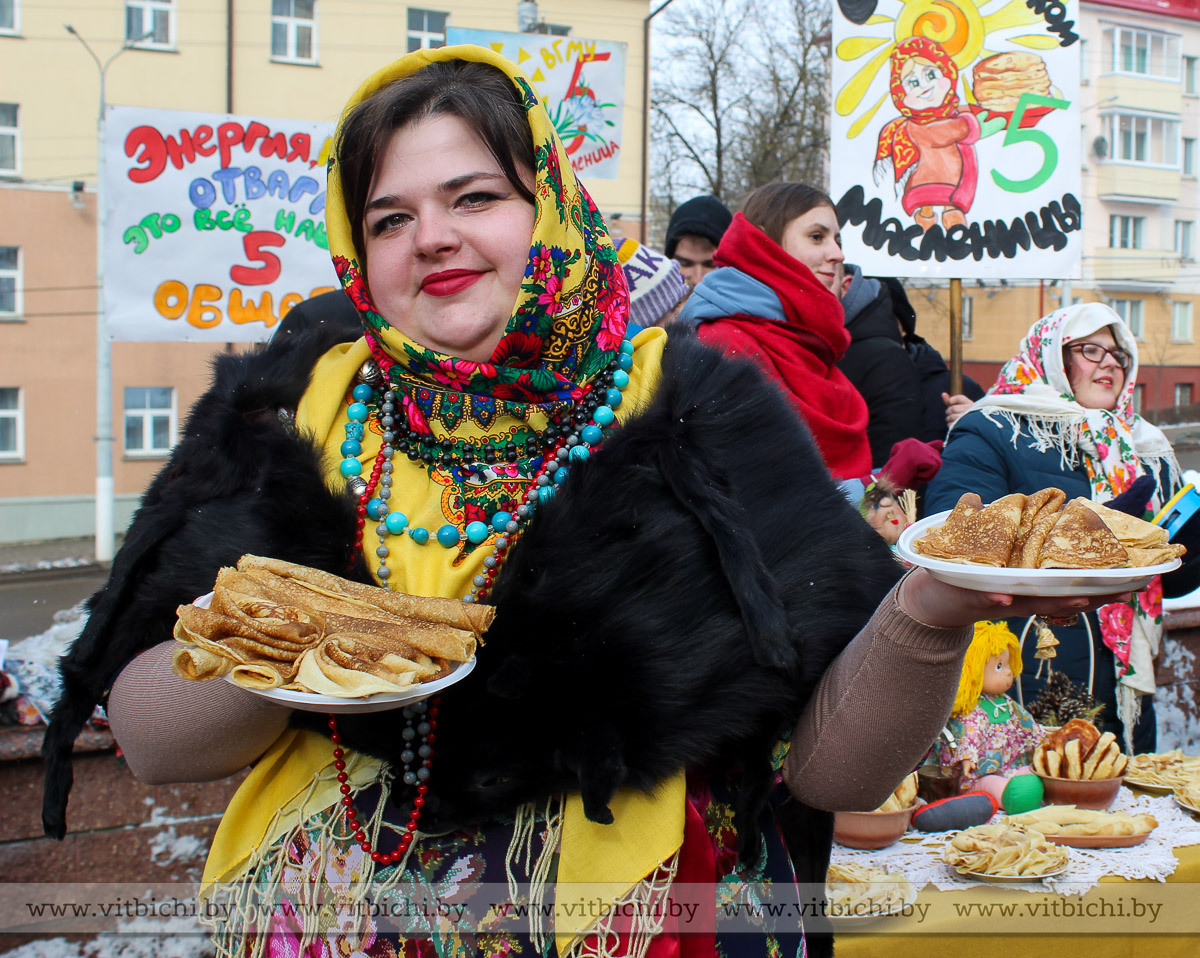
570, 315
1033, 393
894, 140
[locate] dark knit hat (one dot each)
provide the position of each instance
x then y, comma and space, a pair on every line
703, 216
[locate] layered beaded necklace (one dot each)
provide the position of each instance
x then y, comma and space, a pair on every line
568, 438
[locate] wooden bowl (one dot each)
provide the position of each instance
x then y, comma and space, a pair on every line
872, 829
1096, 793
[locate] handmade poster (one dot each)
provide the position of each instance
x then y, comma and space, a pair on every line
215, 223
582, 84
955, 143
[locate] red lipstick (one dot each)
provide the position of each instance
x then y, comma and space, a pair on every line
449, 281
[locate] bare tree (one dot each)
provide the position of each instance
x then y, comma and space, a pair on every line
740, 96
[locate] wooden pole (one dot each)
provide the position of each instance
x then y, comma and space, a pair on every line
956, 370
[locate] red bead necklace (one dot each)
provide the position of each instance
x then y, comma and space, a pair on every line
414, 818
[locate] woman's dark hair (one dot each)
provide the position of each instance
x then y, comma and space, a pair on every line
773, 206
477, 93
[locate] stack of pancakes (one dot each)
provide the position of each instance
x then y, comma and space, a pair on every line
1000, 80
274, 624
1044, 531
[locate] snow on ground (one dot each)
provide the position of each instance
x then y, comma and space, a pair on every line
41, 565
137, 938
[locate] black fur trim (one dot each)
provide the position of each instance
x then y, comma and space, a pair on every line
238, 481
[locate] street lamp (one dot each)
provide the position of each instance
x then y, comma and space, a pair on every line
104, 417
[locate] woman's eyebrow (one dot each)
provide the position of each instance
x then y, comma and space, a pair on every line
389, 200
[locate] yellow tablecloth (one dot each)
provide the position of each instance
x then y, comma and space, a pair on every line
1116, 919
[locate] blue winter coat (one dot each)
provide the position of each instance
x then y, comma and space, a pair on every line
980, 457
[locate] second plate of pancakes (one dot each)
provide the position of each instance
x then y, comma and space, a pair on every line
984, 578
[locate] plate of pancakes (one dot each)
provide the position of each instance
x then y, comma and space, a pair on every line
1040, 544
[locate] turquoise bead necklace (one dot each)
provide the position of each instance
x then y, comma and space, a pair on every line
569, 438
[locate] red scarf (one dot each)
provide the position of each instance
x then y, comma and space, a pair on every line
800, 353
894, 140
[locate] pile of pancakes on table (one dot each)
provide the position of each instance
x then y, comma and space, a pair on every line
276, 625
1045, 531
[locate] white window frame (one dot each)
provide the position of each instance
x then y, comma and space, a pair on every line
13, 30
1181, 321
1182, 394
1133, 311
1187, 163
1117, 36
18, 414
1126, 232
147, 10
1123, 130
292, 25
13, 131
1191, 75
426, 39
1185, 234
968, 317
147, 416
14, 273
1139, 397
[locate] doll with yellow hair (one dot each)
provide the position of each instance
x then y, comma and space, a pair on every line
993, 734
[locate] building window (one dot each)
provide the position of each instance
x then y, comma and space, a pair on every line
1130, 310
1142, 139
294, 30
149, 420
1181, 322
12, 425
10, 16
1191, 82
1189, 156
1183, 238
1183, 394
968, 317
150, 23
1142, 52
1139, 397
426, 29
10, 282
1125, 232
10, 140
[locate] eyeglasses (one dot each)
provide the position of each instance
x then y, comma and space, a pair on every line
1095, 353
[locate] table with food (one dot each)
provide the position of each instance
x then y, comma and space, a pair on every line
1065, 833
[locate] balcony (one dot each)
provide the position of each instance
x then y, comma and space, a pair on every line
1130, 92
1136, 268
1136, 182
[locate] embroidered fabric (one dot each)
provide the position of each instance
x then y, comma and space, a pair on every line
919, 858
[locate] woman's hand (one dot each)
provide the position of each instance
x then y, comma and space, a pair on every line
955, 407
939, 604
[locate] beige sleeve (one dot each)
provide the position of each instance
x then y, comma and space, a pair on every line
876, 710
172, 730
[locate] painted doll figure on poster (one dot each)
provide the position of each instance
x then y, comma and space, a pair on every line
929, 149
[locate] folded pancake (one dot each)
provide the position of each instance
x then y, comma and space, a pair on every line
286, 626
1129, 530
349, 667
1027, 553
1139, 558
345, 614
1040, 505
199, 664
982, 537
1081, 540
227, 636
469, 617
211, 645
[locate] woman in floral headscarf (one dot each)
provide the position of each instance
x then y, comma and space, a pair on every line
1061, 414
674, 573
928, 150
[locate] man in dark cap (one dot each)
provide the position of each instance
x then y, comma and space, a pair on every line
695, 229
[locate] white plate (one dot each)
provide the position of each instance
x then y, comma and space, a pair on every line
380, 702
1182, 804
983, 578
1009, 879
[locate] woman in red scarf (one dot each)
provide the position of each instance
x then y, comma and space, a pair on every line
930, 147
775, 299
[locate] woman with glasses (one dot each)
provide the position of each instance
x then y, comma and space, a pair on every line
1061, 414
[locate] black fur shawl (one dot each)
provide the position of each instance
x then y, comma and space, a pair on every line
672, 607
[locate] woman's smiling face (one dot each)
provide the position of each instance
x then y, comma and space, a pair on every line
446, 238
1094, 385
924, 84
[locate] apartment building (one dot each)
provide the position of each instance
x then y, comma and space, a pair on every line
295, 59
1140, 122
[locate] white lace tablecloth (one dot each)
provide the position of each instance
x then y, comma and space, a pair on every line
920, 861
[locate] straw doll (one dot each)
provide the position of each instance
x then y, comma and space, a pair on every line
994, 735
